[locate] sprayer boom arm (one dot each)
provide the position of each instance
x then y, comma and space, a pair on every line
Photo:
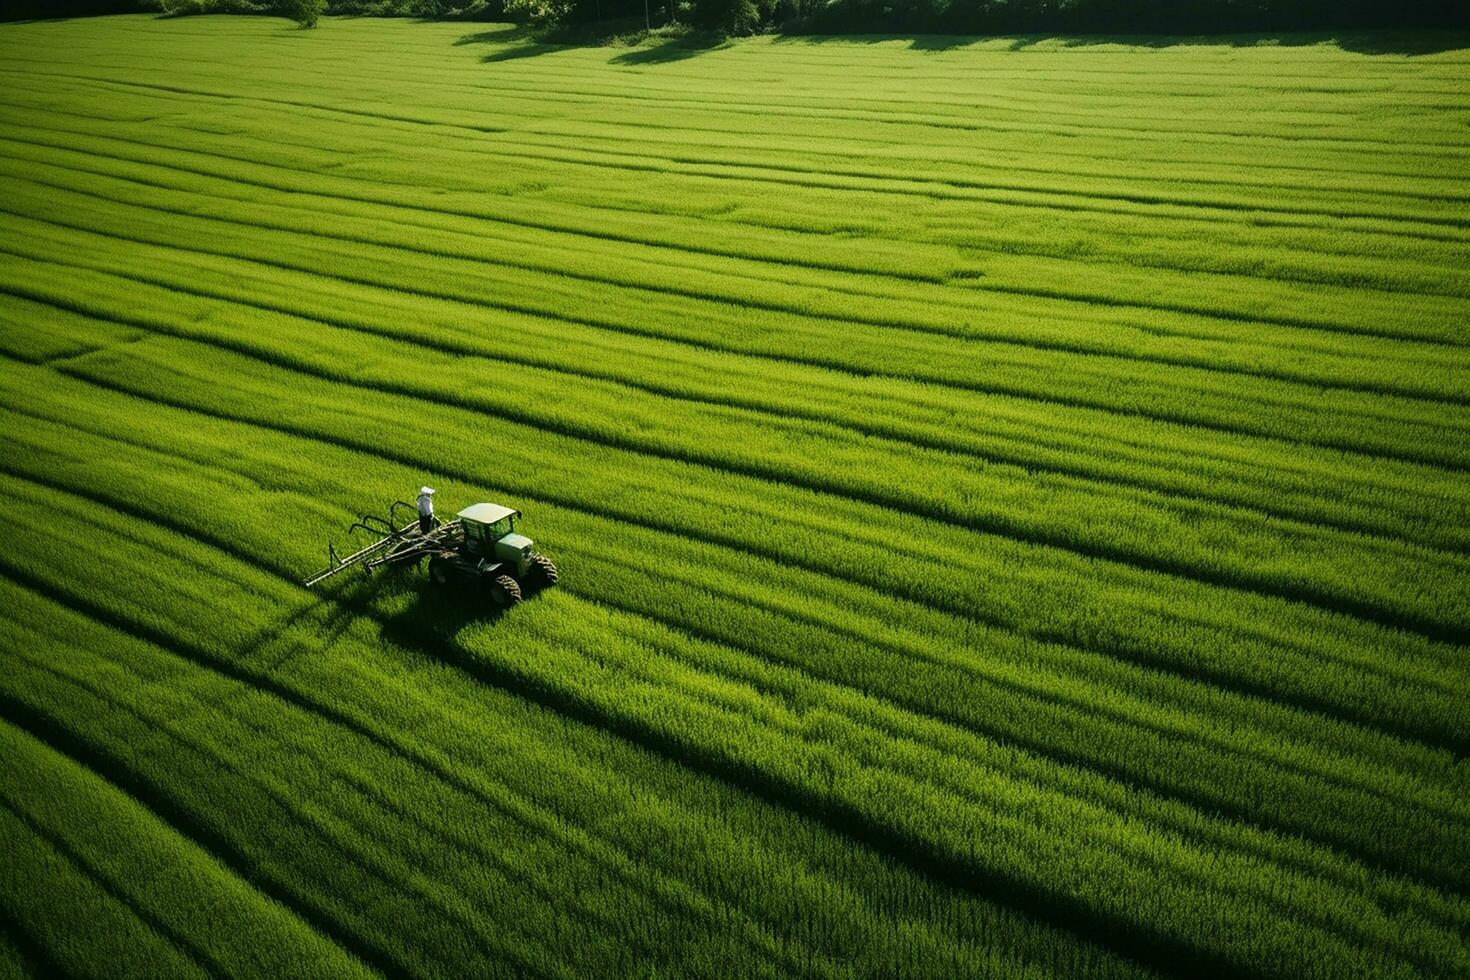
395, 545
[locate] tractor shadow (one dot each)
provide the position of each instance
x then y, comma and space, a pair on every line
428, 618
436, 614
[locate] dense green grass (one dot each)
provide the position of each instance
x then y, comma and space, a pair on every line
1012, 504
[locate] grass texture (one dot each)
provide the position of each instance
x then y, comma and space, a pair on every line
1011, 499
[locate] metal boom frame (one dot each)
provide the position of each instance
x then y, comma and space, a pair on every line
394, 545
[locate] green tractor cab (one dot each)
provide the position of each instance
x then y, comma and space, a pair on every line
480, 545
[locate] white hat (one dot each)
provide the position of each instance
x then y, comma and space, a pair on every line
429, 490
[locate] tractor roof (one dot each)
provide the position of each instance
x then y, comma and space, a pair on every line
486, 513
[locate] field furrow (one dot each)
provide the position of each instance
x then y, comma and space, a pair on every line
545, 659
704, 621
1010, 501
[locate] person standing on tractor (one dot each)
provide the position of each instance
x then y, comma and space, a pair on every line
426, 509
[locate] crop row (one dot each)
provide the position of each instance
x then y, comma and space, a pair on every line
1347, 362
748, 218
1298, 254
1333, 298
940, 695
930, 486
1394, 500
310, 802
1015, 106
1012, 516
897, 789
679, 519
684, 260
854, 542
1332, 417
1225, 775
683, 521
718, 137
112, 838
1408, 502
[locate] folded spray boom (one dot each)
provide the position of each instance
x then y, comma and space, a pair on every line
394, 544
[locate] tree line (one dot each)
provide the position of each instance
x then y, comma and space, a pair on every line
842, 16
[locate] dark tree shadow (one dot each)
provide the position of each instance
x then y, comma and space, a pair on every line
499, 35
941, 42
670, 51
1409, 42
1405, 43
528, 49
625, 39
1358, 42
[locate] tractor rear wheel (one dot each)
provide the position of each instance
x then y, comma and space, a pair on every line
505, 590
439, 571
545, 569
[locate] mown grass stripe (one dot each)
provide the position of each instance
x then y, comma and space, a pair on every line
1385, 448
1105, 480
1230, 680
1321, 595
340, 716
407, 217
684, 751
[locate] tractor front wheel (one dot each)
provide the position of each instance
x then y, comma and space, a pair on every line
439, 571
545, 569
505, 590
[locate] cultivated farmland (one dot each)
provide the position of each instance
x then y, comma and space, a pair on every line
1011, 500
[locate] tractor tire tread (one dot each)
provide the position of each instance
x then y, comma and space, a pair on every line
545, 568
509, 588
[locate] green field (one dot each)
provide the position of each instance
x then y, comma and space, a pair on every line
1012, 501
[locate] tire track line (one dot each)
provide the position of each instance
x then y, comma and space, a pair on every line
1414, 455
406, 214
636, 728
503, 799
822, 111
1224, 682
956, 190
900, 649
1319, 596
747, 402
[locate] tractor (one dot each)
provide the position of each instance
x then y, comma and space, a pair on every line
481, 545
